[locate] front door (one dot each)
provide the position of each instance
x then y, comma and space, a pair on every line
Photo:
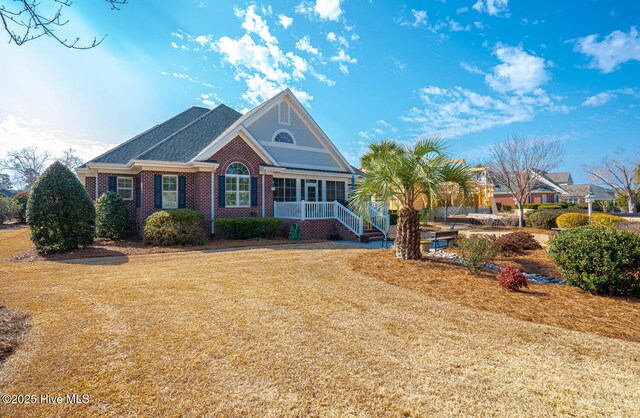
311, 192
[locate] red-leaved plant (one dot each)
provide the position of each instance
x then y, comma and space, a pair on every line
511, 278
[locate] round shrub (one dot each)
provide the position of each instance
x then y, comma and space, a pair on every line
598, 259
546, 219
9, 210
175, 227
507, 208
511, 278
21, 200
60, 212
517, 243
602, 219
112, 217
572, 220
477, 252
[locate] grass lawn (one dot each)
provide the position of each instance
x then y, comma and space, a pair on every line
292, 331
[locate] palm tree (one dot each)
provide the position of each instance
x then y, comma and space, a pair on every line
404, 173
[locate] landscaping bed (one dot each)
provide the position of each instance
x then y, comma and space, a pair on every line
560, 306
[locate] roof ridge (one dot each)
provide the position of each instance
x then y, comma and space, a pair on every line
183, 128
144, 132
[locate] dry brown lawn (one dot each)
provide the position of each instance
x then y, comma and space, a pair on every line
289, 331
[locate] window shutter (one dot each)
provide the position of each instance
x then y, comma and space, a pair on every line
182, 192
221, 189
113, 184
157, 191
138, 190
254, 191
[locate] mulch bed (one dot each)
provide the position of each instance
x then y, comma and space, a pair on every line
13, 326
561, 306
134, 246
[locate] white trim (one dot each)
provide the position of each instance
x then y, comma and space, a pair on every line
302, 174
316, 167
133, 167
281, 119
296, 147
169, 191
237, 178
263, 208
243, 133
118, 186
286, 131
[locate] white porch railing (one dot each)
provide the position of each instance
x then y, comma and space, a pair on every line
378, 217
319, 210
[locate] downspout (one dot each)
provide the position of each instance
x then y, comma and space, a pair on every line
263, 195
213, 193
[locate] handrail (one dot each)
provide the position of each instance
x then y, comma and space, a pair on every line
320, 210
377, 218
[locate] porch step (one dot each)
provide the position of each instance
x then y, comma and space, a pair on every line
369, 235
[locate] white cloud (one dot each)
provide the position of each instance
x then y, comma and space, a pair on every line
253, 23
304, 44
203, 39
323, 9
285, 21
16, 133
209, 99
458, 111
615, 49
343, 59
324, 79
519, 72
605, 97
331, 37
492, 7
419, 19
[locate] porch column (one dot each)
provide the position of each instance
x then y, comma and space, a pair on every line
298, 191
324, 190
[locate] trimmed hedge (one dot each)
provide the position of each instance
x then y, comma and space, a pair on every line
572, 220
602, 219
247, 228
507, 208
546, 219
60, 212
598, 259
112, 217
21, 199
531, 206
175, 227
552, 206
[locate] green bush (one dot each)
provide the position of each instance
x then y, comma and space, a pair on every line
598, 259
552, 206
9, 210
602, 219
175, 227
247, 228
507, 208
21, 199
60, 212
531, 206
112, 217
546, 219
572, 220
393, 218
477, 252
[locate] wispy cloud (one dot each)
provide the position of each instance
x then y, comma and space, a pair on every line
491, 7
605, 97
321, 9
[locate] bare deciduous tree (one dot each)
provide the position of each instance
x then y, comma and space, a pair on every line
516, 165
25, 21
620, 172
26, 164
69, 159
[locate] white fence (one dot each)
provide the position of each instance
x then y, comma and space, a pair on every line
319, 210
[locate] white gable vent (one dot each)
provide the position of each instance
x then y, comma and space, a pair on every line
284, 113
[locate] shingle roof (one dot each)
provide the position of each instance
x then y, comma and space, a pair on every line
562, 177
581, 190
186, 143
178, 139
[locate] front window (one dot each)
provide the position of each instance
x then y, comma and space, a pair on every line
284, 137
125, 188
237, 186
336, 191
170, 192
285, 190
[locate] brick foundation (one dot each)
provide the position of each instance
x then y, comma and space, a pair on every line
319, 229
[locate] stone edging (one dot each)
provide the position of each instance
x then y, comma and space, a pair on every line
532, 277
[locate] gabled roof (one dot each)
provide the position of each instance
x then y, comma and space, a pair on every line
563, 177
185, 144
581, 190
139, 144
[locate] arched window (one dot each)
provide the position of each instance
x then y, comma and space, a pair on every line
237, 186
284, 136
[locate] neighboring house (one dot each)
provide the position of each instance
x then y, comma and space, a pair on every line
272, 161
555, 188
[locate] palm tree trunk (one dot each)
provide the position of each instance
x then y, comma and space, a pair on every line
408, 239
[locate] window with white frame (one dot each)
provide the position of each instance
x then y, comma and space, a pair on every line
284, 113
237, 186
125, 188
170, 192
284, 137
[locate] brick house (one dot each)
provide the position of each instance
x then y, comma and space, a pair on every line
273, 161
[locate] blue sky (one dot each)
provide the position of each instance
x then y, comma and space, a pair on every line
472, 71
